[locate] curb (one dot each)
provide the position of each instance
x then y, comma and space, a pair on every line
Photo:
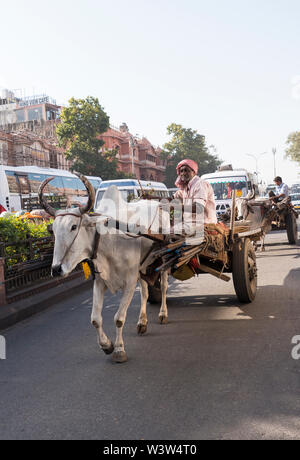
14, 312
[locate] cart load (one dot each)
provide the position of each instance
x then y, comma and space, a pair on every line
223, 250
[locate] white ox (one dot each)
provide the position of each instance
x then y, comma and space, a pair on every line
117, 263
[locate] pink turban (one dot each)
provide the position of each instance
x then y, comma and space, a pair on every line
191, 164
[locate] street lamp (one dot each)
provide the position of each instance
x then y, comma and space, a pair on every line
256, 158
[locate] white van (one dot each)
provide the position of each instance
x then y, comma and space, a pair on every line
226, 180
295, 199
19, 187
130, 189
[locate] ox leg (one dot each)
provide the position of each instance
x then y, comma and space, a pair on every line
143, 321
163, 313
96, 319
119, 355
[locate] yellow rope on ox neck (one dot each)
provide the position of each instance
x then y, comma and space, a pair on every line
86, 270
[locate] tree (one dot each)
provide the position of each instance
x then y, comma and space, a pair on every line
187, 143
82, 122
293, 150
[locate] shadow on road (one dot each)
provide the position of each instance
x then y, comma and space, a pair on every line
272, 301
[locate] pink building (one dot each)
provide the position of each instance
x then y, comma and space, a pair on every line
135, 156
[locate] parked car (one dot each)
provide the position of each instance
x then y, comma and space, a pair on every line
131, 189
295, 198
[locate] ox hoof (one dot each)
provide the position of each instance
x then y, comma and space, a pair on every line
141, 329
109, 350
119, 357
163, 319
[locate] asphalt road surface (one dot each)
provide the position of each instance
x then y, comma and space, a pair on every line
218, 370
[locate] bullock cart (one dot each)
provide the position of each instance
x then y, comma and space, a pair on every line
284, 216
223, 249
276, 215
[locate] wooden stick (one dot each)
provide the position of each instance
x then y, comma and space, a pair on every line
174, 245
191, 251
190, 256
166, 265
183, 262
206, 269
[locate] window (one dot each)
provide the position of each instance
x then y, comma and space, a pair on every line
12, 182
24, 184
222, 190
54, 187
118, 184
150, 158
99, 198
95, 183
71, 185
35, 114
51, 114
20, 115
35, 181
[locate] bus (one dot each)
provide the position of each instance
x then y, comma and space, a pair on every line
130, 189
227, 179
19, 187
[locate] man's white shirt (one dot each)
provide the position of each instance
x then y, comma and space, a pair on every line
282, 188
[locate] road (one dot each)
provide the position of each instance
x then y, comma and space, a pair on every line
218, 370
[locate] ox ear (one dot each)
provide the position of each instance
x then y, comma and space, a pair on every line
89, 221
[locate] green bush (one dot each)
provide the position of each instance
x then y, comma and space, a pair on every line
16, 230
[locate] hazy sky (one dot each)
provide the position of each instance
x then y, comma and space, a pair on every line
229, 69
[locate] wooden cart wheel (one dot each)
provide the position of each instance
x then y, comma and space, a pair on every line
155, 293
291, 228
244, 270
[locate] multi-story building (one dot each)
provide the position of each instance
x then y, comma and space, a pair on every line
26, 148
14, 111
28, 137
27, 132
135, 156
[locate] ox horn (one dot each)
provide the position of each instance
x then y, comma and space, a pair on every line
42, 200
91, 193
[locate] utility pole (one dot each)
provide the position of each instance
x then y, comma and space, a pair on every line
256, 158
274, 153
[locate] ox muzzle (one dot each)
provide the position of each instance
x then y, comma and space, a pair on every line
56, 270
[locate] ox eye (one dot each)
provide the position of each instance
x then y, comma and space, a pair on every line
73, 227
